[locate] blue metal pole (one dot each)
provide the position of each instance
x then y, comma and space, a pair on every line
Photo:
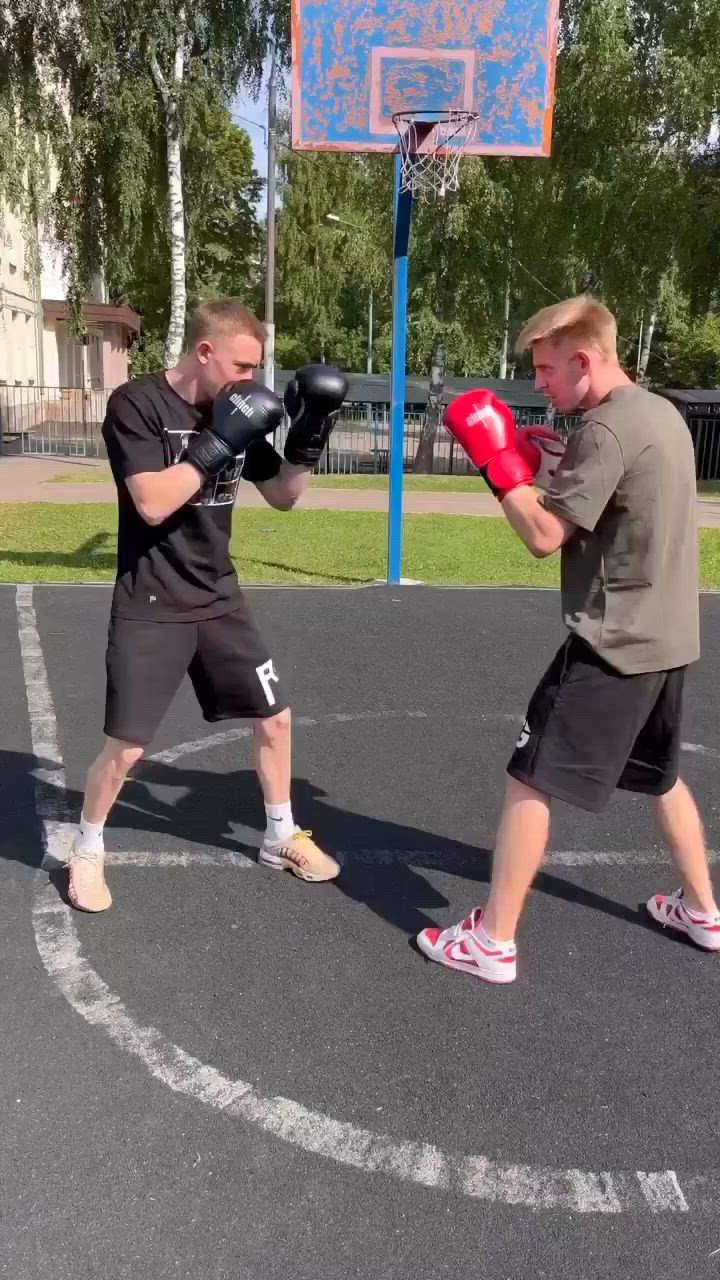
401, 237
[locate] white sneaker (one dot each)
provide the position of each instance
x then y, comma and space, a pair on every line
467, 947
87, 887
670, 911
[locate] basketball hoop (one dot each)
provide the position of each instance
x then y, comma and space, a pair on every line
431, 147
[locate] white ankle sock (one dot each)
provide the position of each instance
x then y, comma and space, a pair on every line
483, 936
280, 822
91, 833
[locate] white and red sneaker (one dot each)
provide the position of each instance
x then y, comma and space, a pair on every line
702, 928
467, 947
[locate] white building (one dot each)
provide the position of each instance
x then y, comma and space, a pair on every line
37, 345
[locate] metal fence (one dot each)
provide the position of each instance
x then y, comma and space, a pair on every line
67, 422
705, 432
360, 442
59, 421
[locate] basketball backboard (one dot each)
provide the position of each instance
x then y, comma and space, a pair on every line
357, 62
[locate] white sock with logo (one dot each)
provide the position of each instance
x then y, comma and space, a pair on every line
280, 822
483, 936
91, 834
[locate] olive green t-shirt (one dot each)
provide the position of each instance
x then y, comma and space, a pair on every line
630, 573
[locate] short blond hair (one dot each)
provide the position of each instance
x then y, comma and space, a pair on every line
584, 319
223, 315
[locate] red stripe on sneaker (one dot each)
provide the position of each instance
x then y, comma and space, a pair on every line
712, 926
465, 956
492, 954
487, 951
432, 935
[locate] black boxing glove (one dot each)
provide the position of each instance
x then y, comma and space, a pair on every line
242, 412
313, 401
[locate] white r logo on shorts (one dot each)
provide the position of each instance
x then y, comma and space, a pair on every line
267, 675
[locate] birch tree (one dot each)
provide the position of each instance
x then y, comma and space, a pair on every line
189, 53
170, 93
95, 101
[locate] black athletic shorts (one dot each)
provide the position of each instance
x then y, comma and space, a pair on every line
590, 729
229, 664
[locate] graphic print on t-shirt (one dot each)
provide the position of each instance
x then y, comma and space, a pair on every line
218, 491
179, 570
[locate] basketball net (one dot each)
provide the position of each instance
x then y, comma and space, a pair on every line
431, 150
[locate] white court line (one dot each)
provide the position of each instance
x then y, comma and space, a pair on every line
58, 944
299, 722
452, 860
246, 586
344, 586
225, 736
573, 1190
697, 748
182, 858
431, 859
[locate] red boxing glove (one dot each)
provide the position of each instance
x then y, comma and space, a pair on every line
543, 450
485, 428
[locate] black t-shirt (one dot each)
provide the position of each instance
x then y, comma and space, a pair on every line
180, 570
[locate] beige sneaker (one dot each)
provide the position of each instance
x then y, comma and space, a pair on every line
301, 855
87, 888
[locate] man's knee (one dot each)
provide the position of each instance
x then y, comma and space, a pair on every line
671, 793
118, 757
517, 791
274, 728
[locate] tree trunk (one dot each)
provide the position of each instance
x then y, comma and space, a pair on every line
170, 95
646, 346
425, 456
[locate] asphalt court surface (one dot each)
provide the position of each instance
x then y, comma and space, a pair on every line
567, 1124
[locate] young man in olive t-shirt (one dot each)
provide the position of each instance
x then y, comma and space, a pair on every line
622, 506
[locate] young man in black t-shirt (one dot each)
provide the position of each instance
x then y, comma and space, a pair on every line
179, 443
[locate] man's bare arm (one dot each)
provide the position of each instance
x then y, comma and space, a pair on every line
541, 530
283, 490
159, 494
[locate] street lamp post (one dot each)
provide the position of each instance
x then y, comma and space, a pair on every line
270, 265
269, 133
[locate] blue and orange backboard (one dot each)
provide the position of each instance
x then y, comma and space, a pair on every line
356, 62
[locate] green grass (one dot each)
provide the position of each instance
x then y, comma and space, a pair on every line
41, 542
92, 475
414, 484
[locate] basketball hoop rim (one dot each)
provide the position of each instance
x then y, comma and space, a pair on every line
459, 116
433, 132
430, 147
